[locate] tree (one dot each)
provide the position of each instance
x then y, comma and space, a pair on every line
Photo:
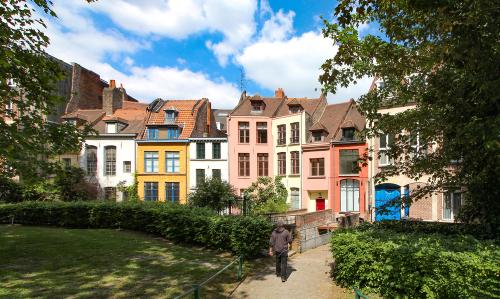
215, 194
444, 57
27, 82
267, 196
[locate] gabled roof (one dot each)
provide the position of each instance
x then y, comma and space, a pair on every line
332, 118
186, 117
244, 108
89, 116
309, 105
352, 119
132, 114
318, 127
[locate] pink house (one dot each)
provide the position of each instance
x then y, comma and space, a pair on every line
250, 138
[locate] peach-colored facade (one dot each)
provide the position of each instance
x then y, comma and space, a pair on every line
316, 188
252, 148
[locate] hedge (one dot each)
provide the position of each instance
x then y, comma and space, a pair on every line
241, 235
416, 264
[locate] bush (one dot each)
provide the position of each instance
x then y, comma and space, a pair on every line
415, 264
241, 235
10, 191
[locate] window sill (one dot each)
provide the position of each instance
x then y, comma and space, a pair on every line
294, 175
316, 177
349, 174
294, 143
244, 177
281, 144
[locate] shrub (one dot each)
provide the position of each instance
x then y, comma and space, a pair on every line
213, 193
416, 264
241, 235
10, 191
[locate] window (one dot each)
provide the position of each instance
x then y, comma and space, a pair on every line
111, 128
385, 141
317, 167
317, 136
127, 166
261, 132
110, 160
452, 204
216, 174
281, 163
349, 162
110, 193
348, 134
281, 134
200, 151
417, 147
173, 133
294, 159
151, 191
244, 132
295, 198
200, 176
263, 164
257, 106
169, 116
349, 195
152, 133
150, 161
215, 150
244, 164
295, 138
67, 163
91, 160
172, 192
172, 162
294, 109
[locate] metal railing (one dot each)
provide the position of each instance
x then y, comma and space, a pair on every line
195, 290
359, 295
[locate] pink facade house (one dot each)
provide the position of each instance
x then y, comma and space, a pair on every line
250, 139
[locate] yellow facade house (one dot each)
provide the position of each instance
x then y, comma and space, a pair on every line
162, 153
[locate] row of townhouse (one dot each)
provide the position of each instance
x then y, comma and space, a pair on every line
169, 146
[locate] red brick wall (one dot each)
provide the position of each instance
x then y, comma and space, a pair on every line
90, 91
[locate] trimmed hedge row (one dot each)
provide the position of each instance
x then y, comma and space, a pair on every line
241, 235
416, 265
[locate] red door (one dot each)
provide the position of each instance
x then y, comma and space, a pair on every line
320, 204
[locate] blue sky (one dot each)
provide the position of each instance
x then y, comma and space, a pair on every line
188, 49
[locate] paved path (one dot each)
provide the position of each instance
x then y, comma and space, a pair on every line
309, 277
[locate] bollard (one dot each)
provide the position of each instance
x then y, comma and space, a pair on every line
196, 293
240, 267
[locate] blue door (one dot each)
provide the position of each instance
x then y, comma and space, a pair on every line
384, 210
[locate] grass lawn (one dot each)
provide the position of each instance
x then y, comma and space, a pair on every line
47, 262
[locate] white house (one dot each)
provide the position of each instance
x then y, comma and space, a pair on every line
207, 158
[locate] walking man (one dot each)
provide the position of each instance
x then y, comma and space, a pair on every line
278, 244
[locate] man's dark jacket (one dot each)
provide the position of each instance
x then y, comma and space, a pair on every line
279, 239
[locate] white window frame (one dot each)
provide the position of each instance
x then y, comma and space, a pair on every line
450, 195
111, 128
383, 150
349, 195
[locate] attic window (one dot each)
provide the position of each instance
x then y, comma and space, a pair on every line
71, 121
348, 134
111, 128
170, 116
257, 106
294, 109
317, 136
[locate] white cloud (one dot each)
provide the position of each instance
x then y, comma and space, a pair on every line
179, 19
294, 64
278, 27
75, 38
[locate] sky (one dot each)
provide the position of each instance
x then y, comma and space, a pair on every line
192, 49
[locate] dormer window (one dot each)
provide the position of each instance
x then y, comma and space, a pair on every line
170, 116
317, 136
348, 134
111, 128
152, 133
257, 106
295, 109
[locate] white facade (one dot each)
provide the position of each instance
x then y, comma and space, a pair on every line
125, 155
292, 181
210, 164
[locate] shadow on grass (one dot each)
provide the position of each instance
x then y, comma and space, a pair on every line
78, 263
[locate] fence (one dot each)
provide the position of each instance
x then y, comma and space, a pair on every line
196, 289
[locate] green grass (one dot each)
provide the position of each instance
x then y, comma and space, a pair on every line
101, 263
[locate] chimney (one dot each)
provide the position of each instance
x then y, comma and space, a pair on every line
209, 117
112, 98
279, 93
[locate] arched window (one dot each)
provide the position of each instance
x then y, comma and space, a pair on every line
110, 160
91, 160
349, 195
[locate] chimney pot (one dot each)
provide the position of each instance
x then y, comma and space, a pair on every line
279, 93
112, 83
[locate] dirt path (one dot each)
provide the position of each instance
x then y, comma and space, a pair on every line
309, 277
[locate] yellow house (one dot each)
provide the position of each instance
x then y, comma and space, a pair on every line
162, 152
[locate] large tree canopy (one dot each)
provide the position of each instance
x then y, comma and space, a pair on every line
27, 82
443, 57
